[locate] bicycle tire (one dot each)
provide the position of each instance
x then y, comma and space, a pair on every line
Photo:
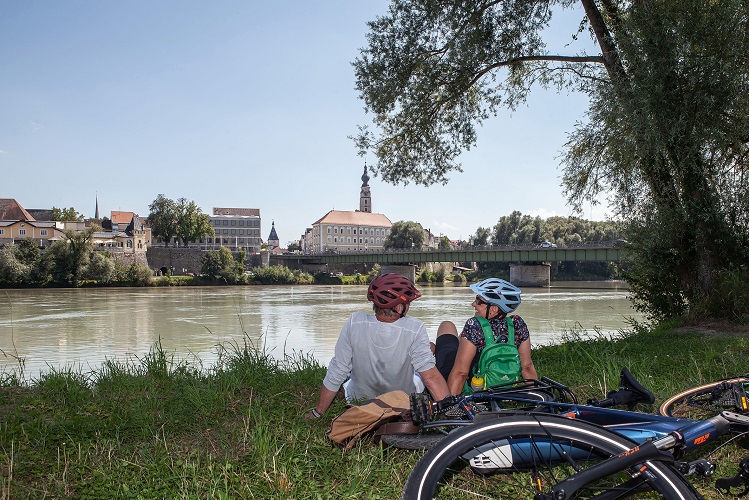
421, 441
485, 461
701, 402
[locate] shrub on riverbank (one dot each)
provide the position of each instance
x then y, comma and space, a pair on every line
162, 427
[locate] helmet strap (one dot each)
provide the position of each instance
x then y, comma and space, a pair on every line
404, 310
488, 308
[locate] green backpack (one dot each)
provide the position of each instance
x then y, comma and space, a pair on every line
499, 363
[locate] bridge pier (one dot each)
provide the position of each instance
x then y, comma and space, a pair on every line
407, 271
530, 274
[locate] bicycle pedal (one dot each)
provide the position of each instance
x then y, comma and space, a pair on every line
735, 418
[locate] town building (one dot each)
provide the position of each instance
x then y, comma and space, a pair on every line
123, 232
17, 224
342, 231
236, 229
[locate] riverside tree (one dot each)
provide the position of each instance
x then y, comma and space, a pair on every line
665, 134
182, 218
66, 214
405, 234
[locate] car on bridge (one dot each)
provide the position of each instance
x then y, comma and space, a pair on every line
547, 244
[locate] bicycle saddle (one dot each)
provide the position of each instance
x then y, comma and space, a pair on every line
630, 392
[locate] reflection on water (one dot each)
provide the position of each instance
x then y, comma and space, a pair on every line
80, 328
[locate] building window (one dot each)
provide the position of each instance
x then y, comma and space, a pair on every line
233, 231
226, 222
335, 239
233, 223
241, 223
328, 239
129, 244
328, 229
43, 232
348, 230
349, 239
2, 231
224, 231
21, 232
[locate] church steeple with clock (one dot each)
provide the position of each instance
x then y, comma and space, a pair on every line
365, 198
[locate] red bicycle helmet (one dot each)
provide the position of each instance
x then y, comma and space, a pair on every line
389, 290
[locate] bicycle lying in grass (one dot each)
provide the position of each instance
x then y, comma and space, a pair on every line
557, 450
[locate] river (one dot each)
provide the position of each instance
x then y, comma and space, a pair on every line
80, 328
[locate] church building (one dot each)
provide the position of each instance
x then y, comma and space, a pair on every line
341, 231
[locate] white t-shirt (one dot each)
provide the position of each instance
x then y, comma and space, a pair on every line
379, 357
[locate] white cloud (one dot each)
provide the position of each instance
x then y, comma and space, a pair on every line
442, 227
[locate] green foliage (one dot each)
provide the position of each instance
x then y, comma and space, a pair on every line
519, 229
101, 268
406, 234
280, 275
69, 257
159, 427
13, 271
221, 264
444, 243
192, 223
665, 133
427, 276
374, 272
182, 218
66, 214
481, 236
139, 275
163, 218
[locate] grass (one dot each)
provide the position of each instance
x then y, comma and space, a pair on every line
159, 428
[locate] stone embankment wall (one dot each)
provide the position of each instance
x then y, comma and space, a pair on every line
129, 258
185, 259
182, 260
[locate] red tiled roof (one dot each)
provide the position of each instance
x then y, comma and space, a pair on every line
122, 217
10, 209
355, 219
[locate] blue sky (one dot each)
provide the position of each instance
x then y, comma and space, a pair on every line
238, 104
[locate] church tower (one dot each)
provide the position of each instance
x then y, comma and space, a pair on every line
273, 241
365, 198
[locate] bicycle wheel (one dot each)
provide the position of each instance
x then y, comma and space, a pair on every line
524, 455
705, 401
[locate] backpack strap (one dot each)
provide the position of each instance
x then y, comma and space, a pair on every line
487, 329
489, 334
510, 330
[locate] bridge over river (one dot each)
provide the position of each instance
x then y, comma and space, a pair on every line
515, 254
529, 265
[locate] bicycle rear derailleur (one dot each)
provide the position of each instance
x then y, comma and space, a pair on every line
737, 481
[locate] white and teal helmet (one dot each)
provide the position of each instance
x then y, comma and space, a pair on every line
500, 293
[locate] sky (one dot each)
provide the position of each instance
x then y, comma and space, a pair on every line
240, 103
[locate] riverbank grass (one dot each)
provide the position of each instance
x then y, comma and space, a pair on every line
158, 427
